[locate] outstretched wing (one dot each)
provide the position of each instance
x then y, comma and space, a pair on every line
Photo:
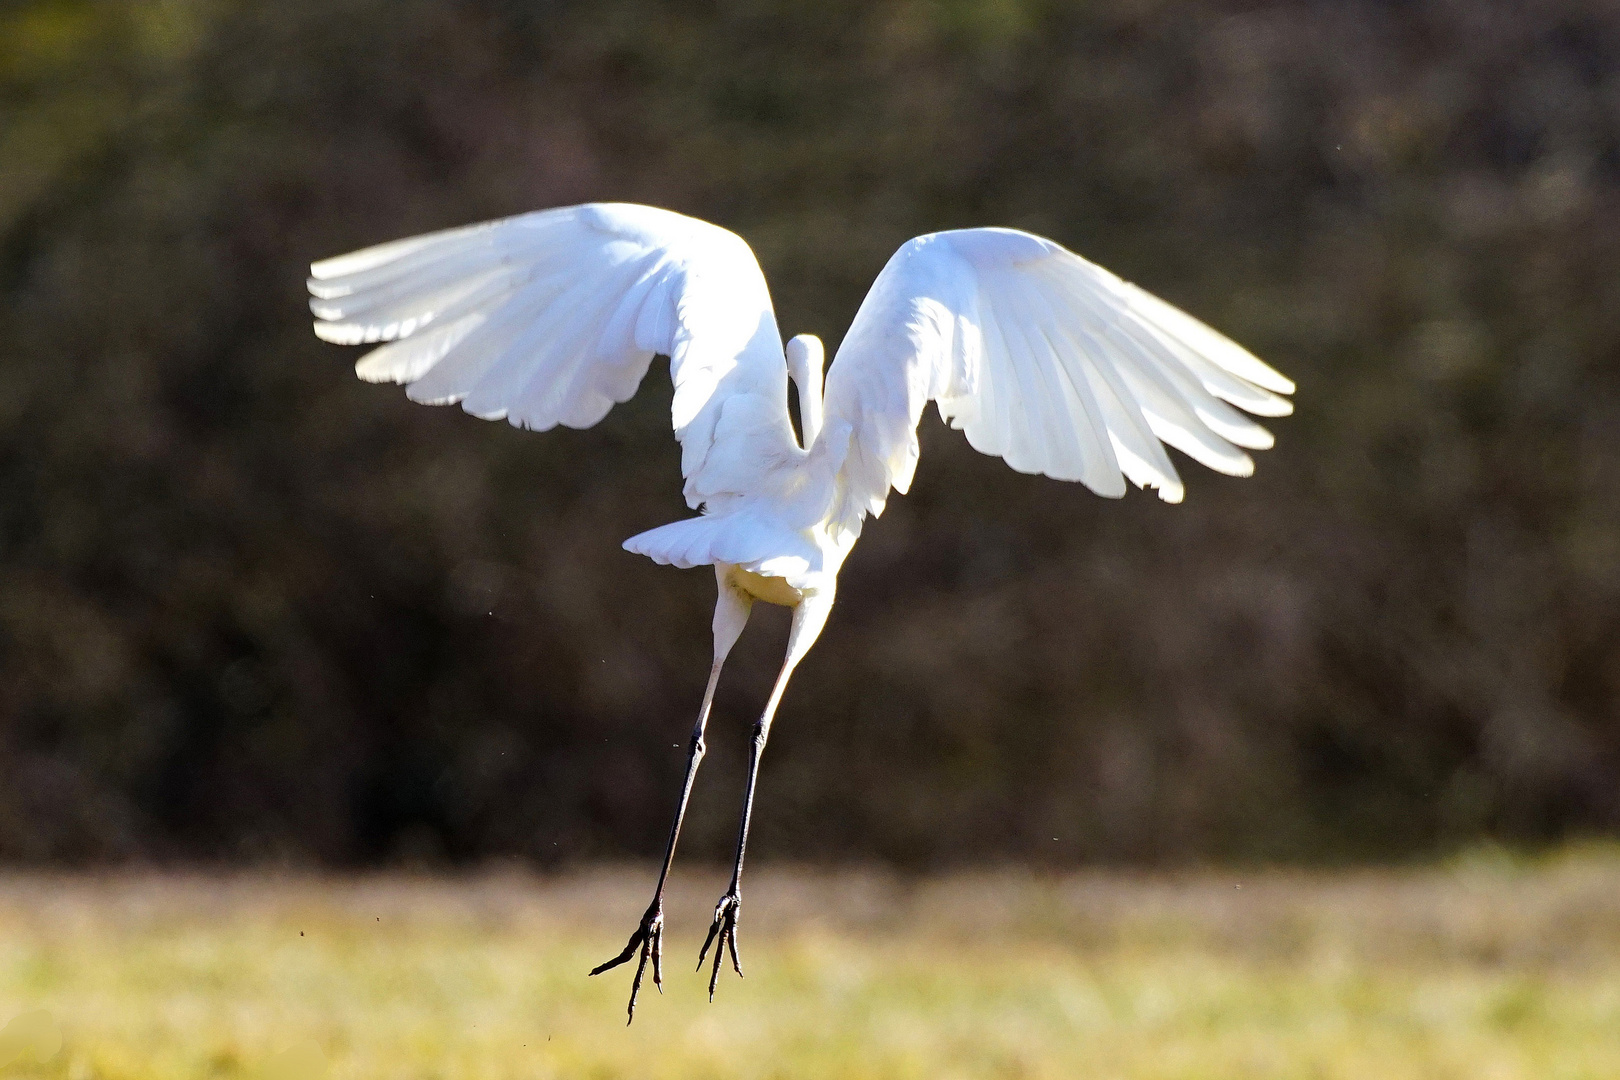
1043, 359
552, 317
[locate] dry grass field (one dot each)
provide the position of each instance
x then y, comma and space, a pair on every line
1486, 968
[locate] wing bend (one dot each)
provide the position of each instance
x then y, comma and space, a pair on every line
1043, 359
553, 317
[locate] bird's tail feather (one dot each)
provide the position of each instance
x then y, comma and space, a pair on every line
750, 540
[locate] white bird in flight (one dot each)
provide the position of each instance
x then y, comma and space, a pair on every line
1040, 357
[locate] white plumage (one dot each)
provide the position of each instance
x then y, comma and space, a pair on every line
1040, 357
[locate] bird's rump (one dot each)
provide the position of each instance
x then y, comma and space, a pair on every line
552, 317
1043, 359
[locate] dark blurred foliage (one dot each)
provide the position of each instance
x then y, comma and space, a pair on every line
253, 608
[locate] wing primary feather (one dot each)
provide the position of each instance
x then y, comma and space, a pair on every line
407, 318
401, 315
452, 378
1139, 453
416, 286
1204, 339
1015, 398
431, 245
996, 385
527, 365
357, 264
1052, 439
1170, 321
1176, 425
1106, 479
555, 375
1220, 365
408, 359
528, 353
1215, 414
1167, 393
1042, 434
1092, 411
1214, 379
1046, 406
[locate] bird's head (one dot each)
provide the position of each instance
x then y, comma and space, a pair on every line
805, 359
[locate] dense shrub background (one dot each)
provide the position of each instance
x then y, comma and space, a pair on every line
253, 609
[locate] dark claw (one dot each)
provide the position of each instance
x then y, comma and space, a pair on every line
723, 936
649, 937
736, 964
713, 930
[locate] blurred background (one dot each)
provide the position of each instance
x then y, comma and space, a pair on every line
252, 610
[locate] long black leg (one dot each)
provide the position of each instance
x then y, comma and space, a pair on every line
730, 615
808, 619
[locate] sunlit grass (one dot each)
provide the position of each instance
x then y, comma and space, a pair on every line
1486, 968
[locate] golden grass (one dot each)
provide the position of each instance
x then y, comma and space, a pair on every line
1486, 968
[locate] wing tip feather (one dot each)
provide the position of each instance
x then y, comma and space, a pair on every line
375, 373
338, 333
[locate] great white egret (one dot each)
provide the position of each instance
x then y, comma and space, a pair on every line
1040, 357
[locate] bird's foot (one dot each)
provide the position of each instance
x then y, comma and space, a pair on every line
723, 936
649, 938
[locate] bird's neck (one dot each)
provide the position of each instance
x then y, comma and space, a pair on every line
810, 404
805, 361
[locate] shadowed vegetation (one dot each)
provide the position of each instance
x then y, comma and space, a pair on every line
252, 609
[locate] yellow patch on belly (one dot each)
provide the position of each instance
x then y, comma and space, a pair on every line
772, 590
